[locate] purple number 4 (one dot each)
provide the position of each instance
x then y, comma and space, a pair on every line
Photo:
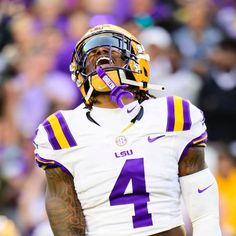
133, 169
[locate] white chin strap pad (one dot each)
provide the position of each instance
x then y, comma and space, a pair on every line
200, 194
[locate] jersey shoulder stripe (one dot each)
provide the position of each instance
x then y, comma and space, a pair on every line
178, 114
58, 132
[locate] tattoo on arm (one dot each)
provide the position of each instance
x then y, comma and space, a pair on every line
63, 207
192, 162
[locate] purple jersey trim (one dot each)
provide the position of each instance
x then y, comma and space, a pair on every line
50, 163
171, 114
65, 129
199, 140
51, 137
187, 118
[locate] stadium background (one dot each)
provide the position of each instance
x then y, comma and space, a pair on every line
192, 45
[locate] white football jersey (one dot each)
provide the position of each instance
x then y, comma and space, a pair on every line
124, 161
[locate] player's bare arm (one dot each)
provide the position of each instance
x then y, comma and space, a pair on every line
192, 162
62, 205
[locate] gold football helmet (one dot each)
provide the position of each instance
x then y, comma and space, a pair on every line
133, 71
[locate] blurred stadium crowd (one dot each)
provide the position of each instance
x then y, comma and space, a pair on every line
192, 45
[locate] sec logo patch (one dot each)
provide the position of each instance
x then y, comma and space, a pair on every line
121, 140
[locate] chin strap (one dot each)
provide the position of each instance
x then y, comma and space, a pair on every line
117, 92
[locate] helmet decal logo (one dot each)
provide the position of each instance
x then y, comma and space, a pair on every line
140, 48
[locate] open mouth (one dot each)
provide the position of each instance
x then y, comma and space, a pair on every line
104, 61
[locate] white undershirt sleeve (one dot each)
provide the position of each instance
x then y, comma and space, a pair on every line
200, 194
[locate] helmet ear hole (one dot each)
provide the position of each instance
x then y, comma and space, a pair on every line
129, 75
145, 71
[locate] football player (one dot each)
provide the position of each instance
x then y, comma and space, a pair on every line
119, 163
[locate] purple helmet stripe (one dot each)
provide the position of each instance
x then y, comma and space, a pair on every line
51, 136
187, 118
171, 114
65, 129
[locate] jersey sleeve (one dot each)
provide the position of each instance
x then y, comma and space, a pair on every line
51, 141
187, 123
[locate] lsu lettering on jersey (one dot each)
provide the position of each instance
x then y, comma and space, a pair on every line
125, 176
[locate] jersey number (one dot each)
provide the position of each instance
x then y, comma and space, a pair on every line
133, 170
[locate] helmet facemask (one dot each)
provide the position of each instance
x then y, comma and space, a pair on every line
128, 66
